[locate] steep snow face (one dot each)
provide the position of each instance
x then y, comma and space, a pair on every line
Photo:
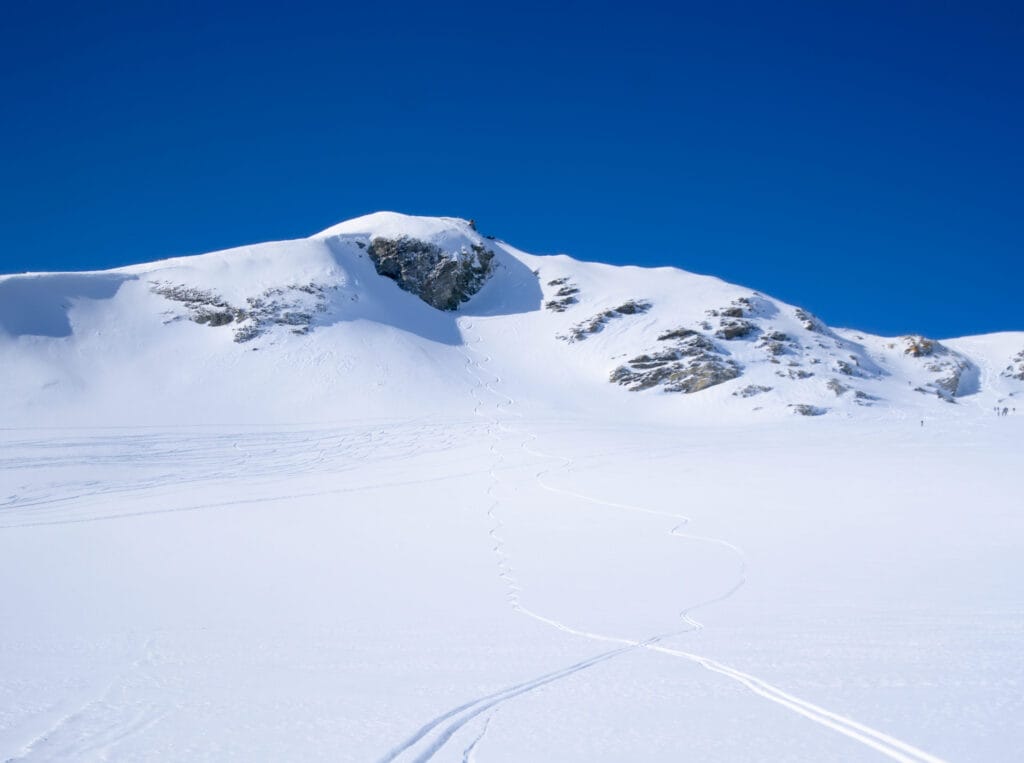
371, 317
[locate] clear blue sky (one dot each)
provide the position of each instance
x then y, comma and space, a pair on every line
863, 159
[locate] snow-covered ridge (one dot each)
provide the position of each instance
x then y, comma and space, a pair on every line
369, 317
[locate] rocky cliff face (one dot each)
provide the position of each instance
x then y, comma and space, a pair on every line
1016, 368
441, 279
690, 362
948, 367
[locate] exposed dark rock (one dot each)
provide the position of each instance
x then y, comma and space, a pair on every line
290, 306
837, 386
633, 307
735, 328
1016, 368
443, 280
803, 409
756, 306
693, 364
564, 298
732, 319
794, 374
942, 361
776, 343
215, 317
852, 368
593, 325
293, 306
560, 305
676, 334
204, 307
919, 346
809, 321
751, 390
949, 383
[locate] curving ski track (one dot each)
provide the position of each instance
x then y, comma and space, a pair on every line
436, 737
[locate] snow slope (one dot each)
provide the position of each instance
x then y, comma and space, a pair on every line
327, 338
263, 504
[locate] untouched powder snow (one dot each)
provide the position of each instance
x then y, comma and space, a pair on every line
269, 504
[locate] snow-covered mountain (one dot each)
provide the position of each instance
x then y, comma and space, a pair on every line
375, 314
400, 492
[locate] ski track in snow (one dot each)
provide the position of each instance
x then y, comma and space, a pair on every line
93, 729
267, 460
885, 744
469, 754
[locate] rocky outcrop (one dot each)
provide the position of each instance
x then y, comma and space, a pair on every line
1016, 368
837, 387
920, 347
805, 409
751, 390
291, 306
442, 279
863, 398
732, 319
950, 367
565, 296
691, 364
794, 373
203, 307
676, 334
848, 368
735, 328
594, 325
809, 321
776, 343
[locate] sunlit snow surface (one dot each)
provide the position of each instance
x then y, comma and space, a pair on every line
416, 536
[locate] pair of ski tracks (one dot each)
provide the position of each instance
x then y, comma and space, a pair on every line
458, 717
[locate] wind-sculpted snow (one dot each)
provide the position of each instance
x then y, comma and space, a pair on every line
38, 304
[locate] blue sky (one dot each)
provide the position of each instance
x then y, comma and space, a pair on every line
862, 159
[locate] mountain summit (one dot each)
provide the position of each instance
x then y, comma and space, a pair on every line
375, 317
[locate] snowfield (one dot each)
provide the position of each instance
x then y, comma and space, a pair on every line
264, 504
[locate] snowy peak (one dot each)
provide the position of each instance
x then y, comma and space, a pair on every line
442, 260
377, 314
449, 233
